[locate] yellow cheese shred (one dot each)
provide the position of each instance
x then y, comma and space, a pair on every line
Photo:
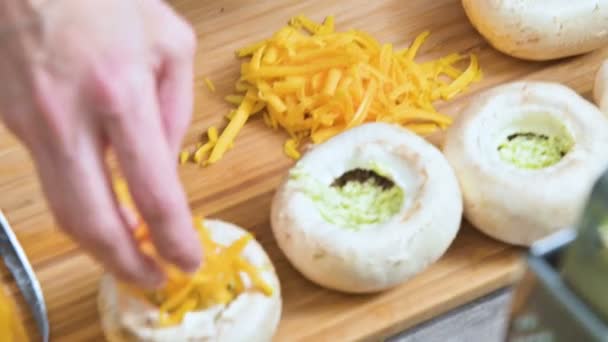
210, 85
314, 82
291, 150
219, 280
183, 157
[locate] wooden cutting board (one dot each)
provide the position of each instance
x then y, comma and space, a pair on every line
239, 188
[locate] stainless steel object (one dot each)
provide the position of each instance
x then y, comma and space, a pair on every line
17, 263
585, 263
563, 295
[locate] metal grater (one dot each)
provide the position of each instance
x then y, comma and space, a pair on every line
563, 295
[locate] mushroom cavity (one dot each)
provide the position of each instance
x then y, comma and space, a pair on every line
356, 199
534, 142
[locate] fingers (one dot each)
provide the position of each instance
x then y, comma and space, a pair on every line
177, 46
137, 136
82, 202
175, 97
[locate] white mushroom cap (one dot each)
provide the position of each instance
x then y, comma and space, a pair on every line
541, 30
380, 255
252, 316
519, 205
600, 88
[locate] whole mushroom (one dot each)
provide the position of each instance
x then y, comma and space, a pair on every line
541, 30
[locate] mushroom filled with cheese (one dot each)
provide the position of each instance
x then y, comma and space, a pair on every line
367, 209
234, 296
526, 155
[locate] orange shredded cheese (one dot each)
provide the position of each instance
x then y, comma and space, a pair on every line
212, 134
219, 280
183, 157
314, 83
291, 149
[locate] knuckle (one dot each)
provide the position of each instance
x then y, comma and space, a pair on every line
182, 44
53, 115
108, 91
159, 208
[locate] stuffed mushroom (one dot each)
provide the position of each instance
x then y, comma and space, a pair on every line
248, 308
367, 209
526, 155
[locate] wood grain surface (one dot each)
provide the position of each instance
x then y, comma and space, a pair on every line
239, 188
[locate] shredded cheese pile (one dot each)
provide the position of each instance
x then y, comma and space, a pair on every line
314, 83
220, 279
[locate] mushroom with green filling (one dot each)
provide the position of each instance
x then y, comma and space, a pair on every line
367, 209
526, 155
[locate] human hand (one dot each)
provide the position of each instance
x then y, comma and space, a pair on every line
99, 74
